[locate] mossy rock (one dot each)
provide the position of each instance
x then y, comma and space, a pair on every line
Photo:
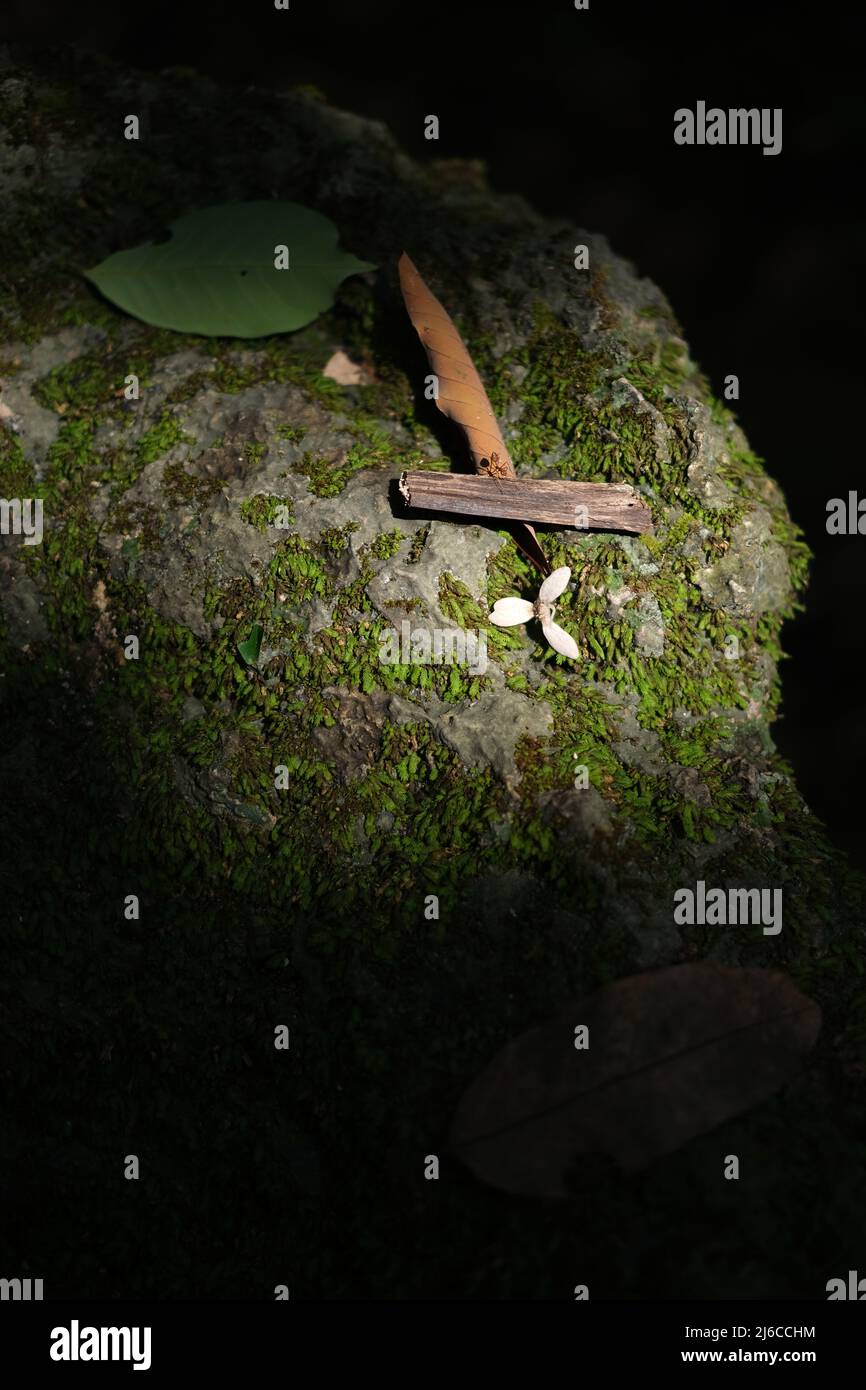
312, 806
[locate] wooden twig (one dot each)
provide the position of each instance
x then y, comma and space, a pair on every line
586, 506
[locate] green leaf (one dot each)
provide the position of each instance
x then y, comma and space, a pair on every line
216, 275
250, 649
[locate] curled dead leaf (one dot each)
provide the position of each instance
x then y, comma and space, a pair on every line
460, 392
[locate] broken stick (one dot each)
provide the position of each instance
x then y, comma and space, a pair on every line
586, 506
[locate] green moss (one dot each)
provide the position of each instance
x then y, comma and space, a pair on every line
296, 359
189, 388
325, 479
180, 487
374, 447
254, 453
67, 564
458, 604
309, 90
746, 471
557, 375
263, 511
16, 473
292, 433
91, 383
9, 366
275, 712
419, 540
386, 544
161, 437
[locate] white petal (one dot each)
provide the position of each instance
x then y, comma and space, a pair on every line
554, 585
508, 611
560, 640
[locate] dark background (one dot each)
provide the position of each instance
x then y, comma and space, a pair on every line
760, 256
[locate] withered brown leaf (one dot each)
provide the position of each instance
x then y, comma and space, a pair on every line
672, 1053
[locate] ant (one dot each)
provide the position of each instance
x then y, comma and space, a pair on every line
494, 467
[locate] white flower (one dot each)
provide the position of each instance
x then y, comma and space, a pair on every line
509, 611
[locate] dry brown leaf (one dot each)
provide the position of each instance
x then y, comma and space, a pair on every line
344, 371
672, 1053
461, 393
